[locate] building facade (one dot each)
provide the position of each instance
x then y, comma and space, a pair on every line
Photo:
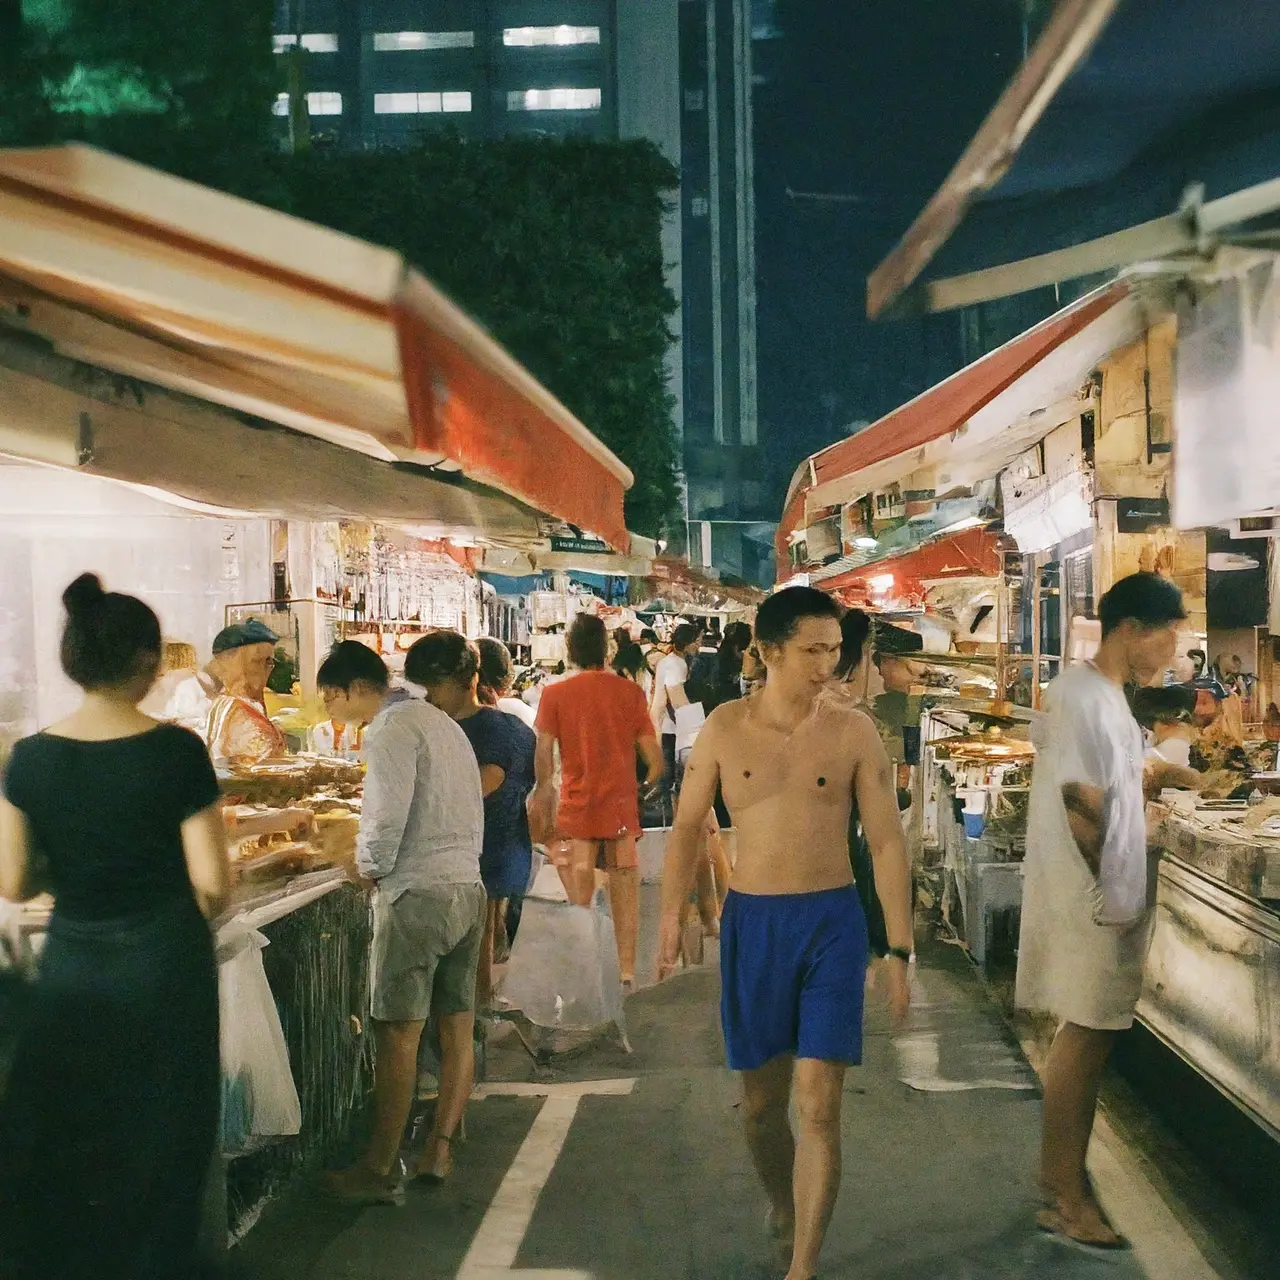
728, 491
377, 72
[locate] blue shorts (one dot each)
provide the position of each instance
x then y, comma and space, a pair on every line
793, 975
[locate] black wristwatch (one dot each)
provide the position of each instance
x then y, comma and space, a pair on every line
899, 953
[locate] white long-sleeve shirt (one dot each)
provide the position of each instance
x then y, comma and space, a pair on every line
422, 822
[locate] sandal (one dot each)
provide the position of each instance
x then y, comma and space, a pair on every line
441, 1168
1052, 1223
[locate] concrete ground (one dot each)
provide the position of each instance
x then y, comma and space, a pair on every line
630, 1166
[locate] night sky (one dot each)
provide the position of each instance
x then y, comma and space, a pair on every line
874, 100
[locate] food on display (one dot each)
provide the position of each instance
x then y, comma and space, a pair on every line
289, 817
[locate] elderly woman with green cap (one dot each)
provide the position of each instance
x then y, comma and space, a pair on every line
240, 731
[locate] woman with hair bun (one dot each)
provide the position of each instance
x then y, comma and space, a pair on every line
109, 1124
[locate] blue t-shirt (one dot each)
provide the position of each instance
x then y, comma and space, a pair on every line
502, 740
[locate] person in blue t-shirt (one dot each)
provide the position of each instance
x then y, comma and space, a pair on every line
447, 665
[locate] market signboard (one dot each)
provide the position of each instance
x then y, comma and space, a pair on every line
581, 546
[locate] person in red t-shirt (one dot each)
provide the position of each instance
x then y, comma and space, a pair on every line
599, 721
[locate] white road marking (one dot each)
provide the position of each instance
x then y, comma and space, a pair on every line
519, 1089
493, 1252
919, 1067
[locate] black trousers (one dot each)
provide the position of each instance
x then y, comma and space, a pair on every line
108, 1127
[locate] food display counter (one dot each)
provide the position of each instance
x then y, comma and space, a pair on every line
292, 826
1212, 986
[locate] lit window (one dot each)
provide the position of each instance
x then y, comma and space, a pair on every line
313, 42
700, 206
554, 100
533, 37
326, 103
396, 41
407, 104
394, 104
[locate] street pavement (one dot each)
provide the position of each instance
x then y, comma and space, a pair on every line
625, 1166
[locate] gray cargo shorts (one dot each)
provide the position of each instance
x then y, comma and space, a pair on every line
426, 946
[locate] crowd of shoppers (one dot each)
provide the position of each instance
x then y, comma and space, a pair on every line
108, 1126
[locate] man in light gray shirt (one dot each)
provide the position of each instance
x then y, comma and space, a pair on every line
421, 831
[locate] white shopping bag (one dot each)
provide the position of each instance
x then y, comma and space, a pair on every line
563, 973
259, 1097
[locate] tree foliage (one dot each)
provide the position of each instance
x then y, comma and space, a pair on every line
184, 85
554, 246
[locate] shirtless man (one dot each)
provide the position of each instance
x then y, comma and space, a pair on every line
792, 761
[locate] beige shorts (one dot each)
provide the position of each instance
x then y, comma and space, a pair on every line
426, 945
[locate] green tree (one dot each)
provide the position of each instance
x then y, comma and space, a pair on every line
185, 85
555, 246
25, 117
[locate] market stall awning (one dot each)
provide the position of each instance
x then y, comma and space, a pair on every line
132, 270
975, 553
57, 412
993, 409
549, 557
690, 588
1082, 164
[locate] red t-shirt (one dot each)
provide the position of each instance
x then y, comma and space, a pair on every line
597, 717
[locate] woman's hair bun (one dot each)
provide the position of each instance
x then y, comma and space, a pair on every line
83, 594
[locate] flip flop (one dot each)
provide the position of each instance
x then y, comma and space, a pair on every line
1050, 1223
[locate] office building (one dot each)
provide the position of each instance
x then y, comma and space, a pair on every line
678, 72
379, 71
728, 490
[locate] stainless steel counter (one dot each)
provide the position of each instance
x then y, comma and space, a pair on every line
1212, 988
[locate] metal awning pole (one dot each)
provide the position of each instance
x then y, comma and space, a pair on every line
1035, 632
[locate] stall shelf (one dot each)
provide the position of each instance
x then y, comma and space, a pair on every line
975, 766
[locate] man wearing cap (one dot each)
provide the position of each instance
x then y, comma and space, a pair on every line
239, 730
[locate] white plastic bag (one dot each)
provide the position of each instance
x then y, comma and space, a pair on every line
259, 1097
563, 973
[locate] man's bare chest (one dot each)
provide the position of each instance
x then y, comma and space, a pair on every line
805, 769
